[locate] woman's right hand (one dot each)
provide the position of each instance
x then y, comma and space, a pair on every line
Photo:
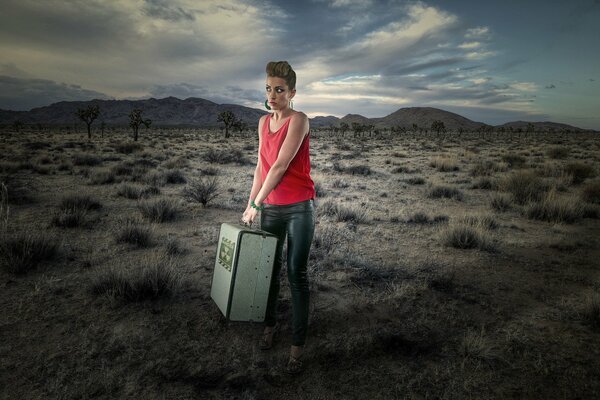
249, 215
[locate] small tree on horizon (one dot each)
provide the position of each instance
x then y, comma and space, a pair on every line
135, 120
228, 119
88, 115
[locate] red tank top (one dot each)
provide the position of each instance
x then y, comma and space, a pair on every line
296, 184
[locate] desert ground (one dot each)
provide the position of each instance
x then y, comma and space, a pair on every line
443, 267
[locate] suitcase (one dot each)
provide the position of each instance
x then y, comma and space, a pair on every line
242, 273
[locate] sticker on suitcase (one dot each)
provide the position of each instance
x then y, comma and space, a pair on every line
226, 253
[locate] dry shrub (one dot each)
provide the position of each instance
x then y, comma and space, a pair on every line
579, 171
440, 191
161, 210
590, 192
103, 177
486, 168
22, 252
501, 202
153, 278
525, 186
133, 233
513, 160
555, 208
463, 236
202, 190
83, 159
444, 163
557, 152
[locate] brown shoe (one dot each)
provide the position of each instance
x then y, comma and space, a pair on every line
266, 340
294, 365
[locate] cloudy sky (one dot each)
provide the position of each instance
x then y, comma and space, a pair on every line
491, 61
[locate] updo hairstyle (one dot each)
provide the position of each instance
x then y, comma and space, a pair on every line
281, 69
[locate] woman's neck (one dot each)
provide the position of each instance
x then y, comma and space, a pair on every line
278, 115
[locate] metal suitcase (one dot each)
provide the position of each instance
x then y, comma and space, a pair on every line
243, 270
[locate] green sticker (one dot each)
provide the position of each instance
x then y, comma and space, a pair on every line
226, 253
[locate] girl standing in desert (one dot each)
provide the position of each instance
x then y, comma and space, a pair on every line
283, 192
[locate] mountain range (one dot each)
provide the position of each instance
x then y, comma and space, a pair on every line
197, 112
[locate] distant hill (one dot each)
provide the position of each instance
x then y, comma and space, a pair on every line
169, 111
197, 112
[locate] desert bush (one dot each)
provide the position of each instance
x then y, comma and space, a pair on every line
553, 208
524, 186
122, 169
330, 238
69, 217
486, 168
590, 192
133, 233
483, 221
155, 178
150, 280
328, 208
174, 176
103, 177
415, 180
475, 345
161, 210
358, 170
513, 160
127, 147
444, 164
22, 252
550, 169
419, 217
340, 184
226, 156
557, 152
173, 247
319, 190
178, 162
83, 159
485, 183
353, 213
202, 190
79, 201
437, 192
463, 236
579, 171
501, 202
209, 171
403, 169
591, 310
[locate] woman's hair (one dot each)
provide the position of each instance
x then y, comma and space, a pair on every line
281, 69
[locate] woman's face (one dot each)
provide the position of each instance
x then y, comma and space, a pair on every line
278, 93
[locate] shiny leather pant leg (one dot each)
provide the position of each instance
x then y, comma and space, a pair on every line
297, 221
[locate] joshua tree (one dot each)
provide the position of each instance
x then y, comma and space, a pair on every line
88, 115
228, 119
343, 128
135, 120
357, 128
438, 126
18, 125
240, 126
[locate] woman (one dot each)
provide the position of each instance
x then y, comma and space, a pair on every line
284, 192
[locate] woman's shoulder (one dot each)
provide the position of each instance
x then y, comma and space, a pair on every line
298, 118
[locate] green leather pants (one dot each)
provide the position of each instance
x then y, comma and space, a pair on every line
297, 220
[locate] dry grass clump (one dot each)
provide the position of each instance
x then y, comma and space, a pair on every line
557, 152
103, 177
475, 345
22, 252
590, 310
513, 160
80, 201
439, 191
421, 217
127, 147
161, 210
173, 247
354, 213
330, 238
444, 163
590, 192
227, 156
468, 235
501, 202
73, 210
174, 176
353, 169
82, 159
524, 186
135, 192
155, 178
202, 190
340, 184
486, 168
415, 180
554, 208
152, 279
484, 221
579, 171
133, 233
485, 183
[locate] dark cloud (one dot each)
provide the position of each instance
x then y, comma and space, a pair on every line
230, 94
163, 10
24, 94
550, 86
